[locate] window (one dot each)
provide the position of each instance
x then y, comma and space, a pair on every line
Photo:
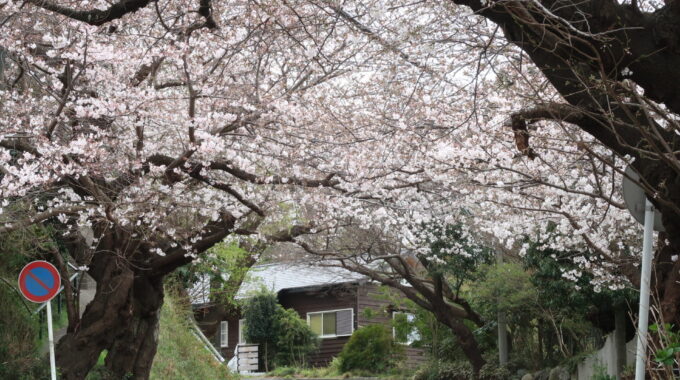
241, 331
403, 329
224, 334
332, 323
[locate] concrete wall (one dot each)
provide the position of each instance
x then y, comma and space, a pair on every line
604, 357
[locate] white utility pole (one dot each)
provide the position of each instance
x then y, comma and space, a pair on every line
645, 277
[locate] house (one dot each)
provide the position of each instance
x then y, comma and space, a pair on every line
332, 300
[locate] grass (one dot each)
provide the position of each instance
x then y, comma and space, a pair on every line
333, 372
59, 320
18, 335
180, 355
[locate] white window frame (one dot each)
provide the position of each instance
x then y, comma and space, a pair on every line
394, 330
241, 337
224, 334
336, 319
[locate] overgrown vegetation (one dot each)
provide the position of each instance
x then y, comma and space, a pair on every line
446, 370
20, 342
284, 338
180, 355
371, 348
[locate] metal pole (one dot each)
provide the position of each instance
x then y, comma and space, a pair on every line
502, 339
502, 326
50, 337
645, 276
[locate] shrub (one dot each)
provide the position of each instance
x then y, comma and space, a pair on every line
370, 348
261, 314
284, 338
295, 341
438, 370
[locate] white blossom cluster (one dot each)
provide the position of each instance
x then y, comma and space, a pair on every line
405, 115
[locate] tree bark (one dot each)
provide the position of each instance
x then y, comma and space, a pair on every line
134, 348
124, 315
122, 318
466, 339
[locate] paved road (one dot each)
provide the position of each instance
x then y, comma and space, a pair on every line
87, 291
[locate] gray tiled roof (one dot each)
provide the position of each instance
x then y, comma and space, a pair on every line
290, 275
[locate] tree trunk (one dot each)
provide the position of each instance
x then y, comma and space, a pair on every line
133, 350
466, 339
122, 318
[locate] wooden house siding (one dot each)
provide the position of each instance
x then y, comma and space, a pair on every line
356, 296
228, 352
372, 305
374, 301
334, 297
232, 335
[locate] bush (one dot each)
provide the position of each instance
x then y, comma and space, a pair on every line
438, 370
370, 348
261, 314
284, 338
295, 341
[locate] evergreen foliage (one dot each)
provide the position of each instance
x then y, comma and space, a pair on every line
284, 338
371, 348
295, 340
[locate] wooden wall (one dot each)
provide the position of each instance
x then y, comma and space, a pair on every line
232, 321
329, 298
360, 298
375, 302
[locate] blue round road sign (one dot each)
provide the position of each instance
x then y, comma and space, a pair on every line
39, 281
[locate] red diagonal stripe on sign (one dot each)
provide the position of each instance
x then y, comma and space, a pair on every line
34, 277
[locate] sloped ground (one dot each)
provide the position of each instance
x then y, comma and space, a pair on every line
180, 355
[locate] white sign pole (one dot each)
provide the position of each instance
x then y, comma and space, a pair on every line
645, 277
50, 337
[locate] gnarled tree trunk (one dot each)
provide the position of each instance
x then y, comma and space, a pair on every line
122, 318
124, 315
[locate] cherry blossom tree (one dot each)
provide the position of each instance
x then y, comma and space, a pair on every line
150, 131
148, 140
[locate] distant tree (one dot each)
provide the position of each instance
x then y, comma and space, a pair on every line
295, 340
262, 313
284, 338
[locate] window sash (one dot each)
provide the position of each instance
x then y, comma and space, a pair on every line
224, 334
325, 323
329, 322
241, 331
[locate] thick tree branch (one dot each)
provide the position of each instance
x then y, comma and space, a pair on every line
42, 216
212, 233
95, 16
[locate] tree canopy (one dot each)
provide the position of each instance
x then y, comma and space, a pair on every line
149, 131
